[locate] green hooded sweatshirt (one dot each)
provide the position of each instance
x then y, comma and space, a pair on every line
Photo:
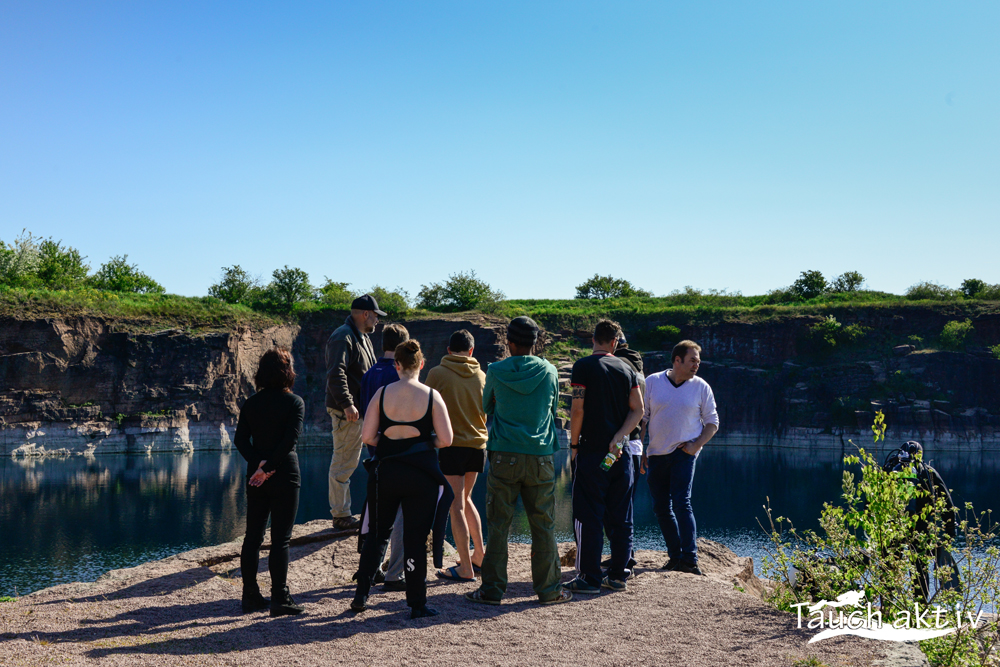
522, 394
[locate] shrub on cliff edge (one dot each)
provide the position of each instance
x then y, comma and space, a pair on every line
608, 287
955, 335
462, 291
117, 275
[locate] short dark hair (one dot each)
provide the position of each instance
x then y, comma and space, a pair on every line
275, 370
408, 355
461, 341
682, 348
607, 331
392, 336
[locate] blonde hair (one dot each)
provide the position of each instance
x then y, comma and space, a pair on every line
408, 355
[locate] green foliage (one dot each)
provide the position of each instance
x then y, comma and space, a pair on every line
811, 661
60, 268
608, 287
19, 261
333, 293
996, 351
236, 286
849, 281
809, 285
657, 337
831, 332
462, 291
956, 334
7, 598
930, 291
288, 287
870, 542
117, 275
971, 287
396, 303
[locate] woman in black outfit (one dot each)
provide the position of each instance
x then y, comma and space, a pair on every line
269, 426
401, 422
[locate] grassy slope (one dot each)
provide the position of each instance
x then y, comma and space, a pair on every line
150, 312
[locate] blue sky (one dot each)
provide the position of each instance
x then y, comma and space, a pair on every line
719, 145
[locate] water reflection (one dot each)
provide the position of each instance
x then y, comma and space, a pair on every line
73, 519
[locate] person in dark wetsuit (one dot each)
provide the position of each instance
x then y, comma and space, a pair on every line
269, 426
406, 422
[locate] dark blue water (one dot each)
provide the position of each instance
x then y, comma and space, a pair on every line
73, 519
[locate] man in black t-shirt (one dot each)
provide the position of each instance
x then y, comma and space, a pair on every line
607, 406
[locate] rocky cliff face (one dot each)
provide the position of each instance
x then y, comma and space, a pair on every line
81, 385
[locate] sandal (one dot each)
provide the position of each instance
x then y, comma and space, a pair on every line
564, 596
451, 574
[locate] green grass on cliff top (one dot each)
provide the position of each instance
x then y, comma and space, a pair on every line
139, 312
144, 312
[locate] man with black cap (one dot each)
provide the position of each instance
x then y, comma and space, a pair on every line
349, 354
522, 395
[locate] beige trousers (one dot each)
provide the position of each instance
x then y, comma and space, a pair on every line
343, 463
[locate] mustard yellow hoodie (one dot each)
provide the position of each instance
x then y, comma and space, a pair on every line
460, 382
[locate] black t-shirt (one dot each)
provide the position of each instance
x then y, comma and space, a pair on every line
608, 382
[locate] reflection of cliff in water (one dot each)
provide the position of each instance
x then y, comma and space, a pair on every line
72, 519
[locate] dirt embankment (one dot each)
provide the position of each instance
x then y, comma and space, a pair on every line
185, 610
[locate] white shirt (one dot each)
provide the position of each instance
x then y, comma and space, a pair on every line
675, 415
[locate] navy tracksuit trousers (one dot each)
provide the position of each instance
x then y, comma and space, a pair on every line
602, 503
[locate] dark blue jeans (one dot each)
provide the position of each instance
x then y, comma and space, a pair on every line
670, 479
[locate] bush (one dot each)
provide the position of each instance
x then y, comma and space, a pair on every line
870, 542
810, 285
828, 330
117, 275
608, 287
996, 351
657, 338
956, 334
19, 261
236, 286
396, 303
288, 287
971, 287
462, 291
850, 281
60, 268
929, 290
335, 294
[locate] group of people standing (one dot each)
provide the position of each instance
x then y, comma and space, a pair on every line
428, 442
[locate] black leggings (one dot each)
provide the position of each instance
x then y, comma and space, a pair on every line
401, 484
281, 502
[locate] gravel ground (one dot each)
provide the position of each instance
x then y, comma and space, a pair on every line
185, 610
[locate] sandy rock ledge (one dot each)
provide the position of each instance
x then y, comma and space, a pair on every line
185, 610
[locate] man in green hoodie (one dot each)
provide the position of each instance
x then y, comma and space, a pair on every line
522, 394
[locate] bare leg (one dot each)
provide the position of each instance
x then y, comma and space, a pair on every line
459, 527
473, 521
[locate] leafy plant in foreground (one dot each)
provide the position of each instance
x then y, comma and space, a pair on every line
870, 541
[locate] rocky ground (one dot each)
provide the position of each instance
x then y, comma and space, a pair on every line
185, 610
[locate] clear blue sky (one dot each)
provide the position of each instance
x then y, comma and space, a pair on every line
721, 145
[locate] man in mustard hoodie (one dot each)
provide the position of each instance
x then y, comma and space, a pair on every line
460, 382
522, 394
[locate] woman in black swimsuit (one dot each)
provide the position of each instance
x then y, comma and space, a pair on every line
406, 422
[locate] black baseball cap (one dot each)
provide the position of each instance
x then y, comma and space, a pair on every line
367, 302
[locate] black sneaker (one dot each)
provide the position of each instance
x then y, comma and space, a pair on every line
689, 568
394, 586
282, 604
671, 565
378, 578
423, 612
359, 603
347, 523
254, 601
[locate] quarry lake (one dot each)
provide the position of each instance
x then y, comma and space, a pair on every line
72, 519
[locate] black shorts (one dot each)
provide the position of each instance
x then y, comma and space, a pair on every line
460, 460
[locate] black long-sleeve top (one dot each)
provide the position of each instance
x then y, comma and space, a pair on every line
269, 426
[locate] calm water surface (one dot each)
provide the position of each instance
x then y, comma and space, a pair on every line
73, 519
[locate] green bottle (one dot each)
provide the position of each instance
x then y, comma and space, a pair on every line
610, 459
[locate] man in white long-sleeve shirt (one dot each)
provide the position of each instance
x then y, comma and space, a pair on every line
681, 417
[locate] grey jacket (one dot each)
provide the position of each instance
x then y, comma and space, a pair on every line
349, 354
